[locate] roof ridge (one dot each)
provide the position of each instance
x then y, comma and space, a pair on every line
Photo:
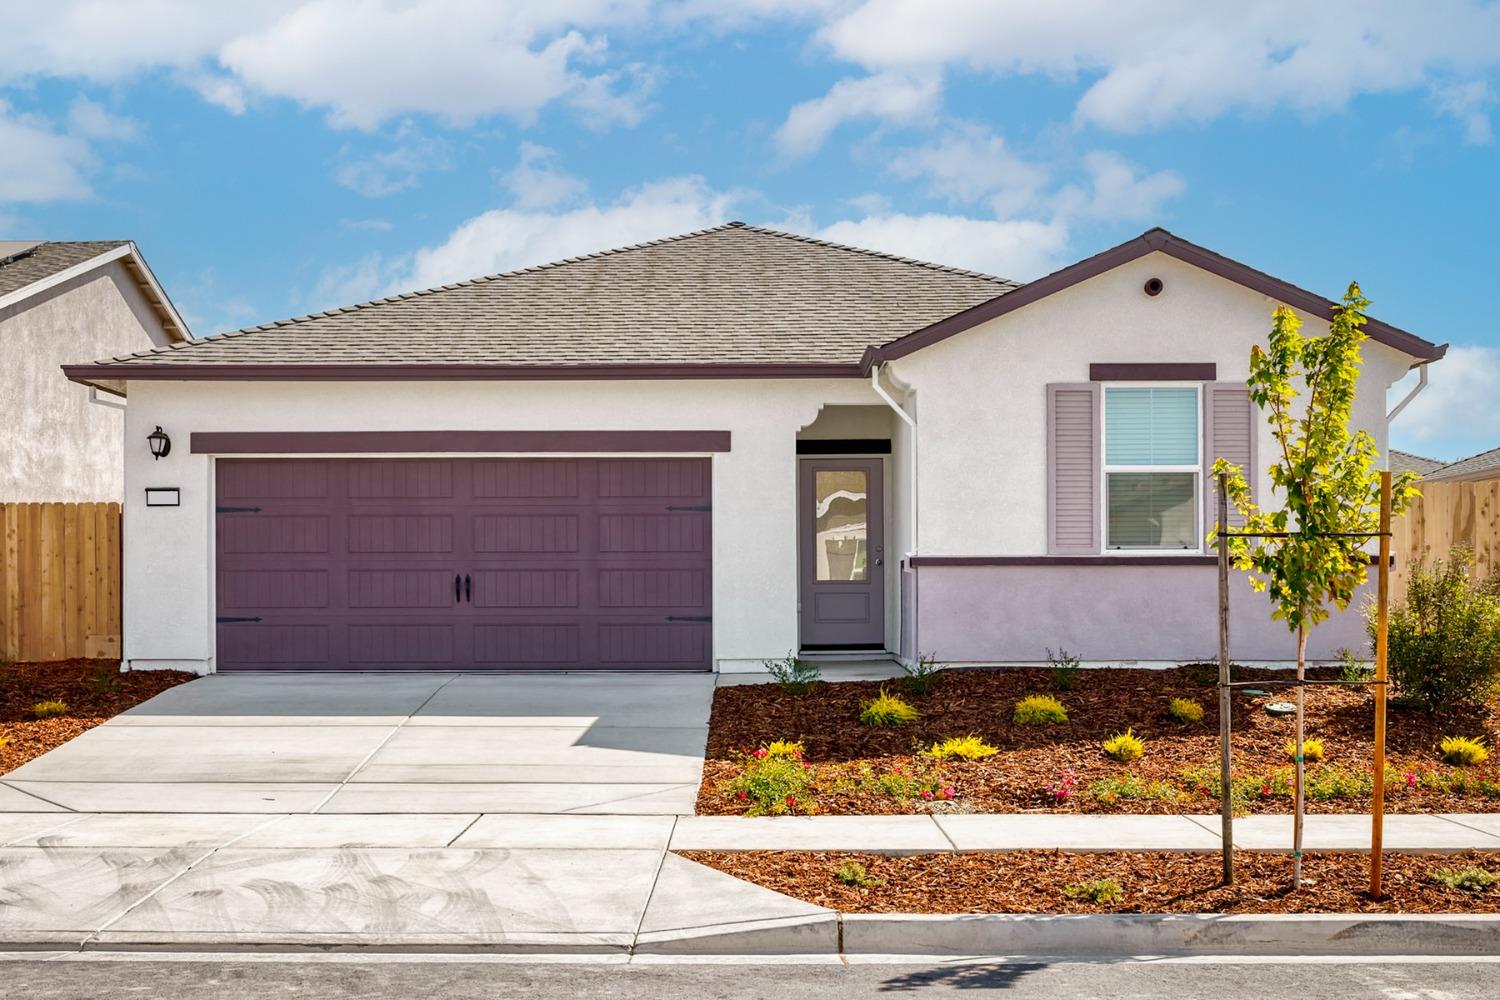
1425, 458
883, 255
1466, 458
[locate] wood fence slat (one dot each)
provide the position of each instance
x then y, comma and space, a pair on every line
59, 580
72, 602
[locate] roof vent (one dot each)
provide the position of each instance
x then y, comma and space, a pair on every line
1154, 286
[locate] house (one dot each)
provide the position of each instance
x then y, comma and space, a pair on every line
57, 300
1475, 468
1405, 461
708, 450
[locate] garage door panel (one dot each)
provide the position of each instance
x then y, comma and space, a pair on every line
399, 533
569, 563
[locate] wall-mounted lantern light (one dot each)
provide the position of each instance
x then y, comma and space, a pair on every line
161, 445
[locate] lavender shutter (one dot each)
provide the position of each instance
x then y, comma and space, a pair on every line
1229, 431
1073, 468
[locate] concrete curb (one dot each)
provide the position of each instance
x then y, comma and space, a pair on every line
1171, 934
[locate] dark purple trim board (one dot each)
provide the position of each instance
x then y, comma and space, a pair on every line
434, 442
1148, 242
1154, 372
1102, 562
190, 372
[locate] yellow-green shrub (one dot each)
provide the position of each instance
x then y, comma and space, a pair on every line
1124, 747
1039, 710
1102, 891
50, 708
1464, 751
1467, 879
887, 710
852, 873
962, 747
1312, 751
1185, 710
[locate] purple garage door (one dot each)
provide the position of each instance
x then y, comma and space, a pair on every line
444, 564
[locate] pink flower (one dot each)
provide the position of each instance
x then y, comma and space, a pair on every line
926, 794
760, 754
806, 766
949, 792
1411, 780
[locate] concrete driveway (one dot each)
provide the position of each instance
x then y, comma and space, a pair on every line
394, 743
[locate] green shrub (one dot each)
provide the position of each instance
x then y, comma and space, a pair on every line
1039, 710
887, 710
1131, 788
104, 677
1064, 668
1444, 640
921, 676
1185, 710
1353, 670
853, 873
1312, 751
1102, 891
961, 748
794, 674
49, 709
1463, 751
1467, 879
774, 781
1124, 747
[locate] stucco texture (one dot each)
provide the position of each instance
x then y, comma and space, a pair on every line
58, 446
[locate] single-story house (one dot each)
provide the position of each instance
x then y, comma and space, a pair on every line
1405, 461
60, 301
709, 450
1475, 468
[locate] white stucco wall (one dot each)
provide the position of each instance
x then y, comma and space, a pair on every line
169, 599
58, 446
983, 447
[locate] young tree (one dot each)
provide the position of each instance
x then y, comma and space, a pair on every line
1308, 553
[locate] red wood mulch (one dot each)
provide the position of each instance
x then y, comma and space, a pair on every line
1034, 882
1102, 703
93, 690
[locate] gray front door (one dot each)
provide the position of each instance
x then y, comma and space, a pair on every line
842, 545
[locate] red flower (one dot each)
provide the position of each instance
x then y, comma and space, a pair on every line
791, 801
760, 754
742, 796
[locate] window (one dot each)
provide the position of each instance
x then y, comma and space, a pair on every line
840, 531
1152, 468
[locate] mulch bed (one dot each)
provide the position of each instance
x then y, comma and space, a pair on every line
1101, 704
1034, 882
93, 690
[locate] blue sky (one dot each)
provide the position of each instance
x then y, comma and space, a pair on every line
291, 155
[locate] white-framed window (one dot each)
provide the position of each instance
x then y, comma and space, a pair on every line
1153, 470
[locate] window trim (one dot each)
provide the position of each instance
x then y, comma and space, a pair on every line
1105, 468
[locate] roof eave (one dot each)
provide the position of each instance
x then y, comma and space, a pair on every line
172, 323
1152, 241
93, 374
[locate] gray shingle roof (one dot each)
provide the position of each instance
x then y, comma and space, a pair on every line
1485, 465
46, 259
734, 294
1405, 461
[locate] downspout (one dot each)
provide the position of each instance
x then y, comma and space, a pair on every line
911, 423
1421, 384
99, 400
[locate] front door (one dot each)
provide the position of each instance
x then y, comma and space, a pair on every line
842, 545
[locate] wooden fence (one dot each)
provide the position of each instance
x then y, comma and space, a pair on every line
1448, 514
59, 580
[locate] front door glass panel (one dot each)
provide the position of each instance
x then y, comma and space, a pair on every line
841, 529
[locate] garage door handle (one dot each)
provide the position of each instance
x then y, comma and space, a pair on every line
457, 593
468, 589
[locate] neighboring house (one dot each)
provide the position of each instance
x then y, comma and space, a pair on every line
1405, 461
1475, 468
57, 300
709, 450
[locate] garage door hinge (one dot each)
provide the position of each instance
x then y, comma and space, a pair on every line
690, 618
704, 507
236, 510
221, 619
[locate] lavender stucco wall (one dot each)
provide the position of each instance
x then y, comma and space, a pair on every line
1012, 614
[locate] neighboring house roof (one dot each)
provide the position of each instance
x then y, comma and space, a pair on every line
731, 301
30, 267
1485, 465
1405, 461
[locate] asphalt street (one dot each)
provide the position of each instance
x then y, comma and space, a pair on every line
408, 978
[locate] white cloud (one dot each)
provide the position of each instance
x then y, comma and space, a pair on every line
537, 183
899, 98
508, 238
1458, 414
1012, 248
38, 162
90, 120
969, 164
346, 284
1152, 63
1467, 102
398, 168
1117, 191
